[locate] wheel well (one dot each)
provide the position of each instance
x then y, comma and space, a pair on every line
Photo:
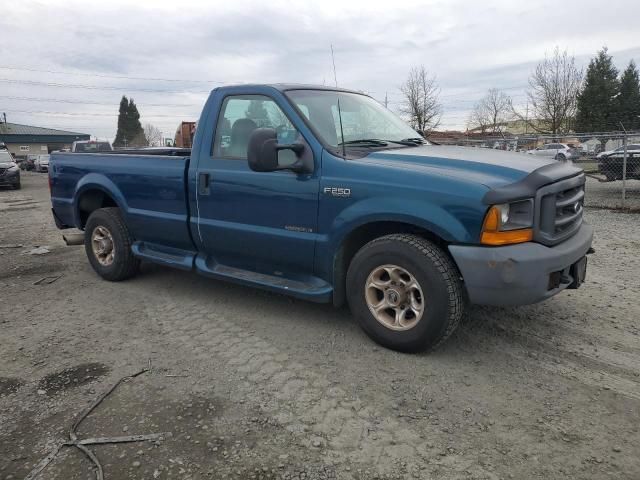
362, 235
92, 200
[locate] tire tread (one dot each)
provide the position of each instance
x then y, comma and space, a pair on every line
127, 265
445, 267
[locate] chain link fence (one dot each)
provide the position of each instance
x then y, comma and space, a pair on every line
611, 160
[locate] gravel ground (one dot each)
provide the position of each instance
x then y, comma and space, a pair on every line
246, 384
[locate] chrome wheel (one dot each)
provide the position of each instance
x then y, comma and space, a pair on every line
394, 297
102, 246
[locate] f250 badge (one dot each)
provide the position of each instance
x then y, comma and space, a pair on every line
337, 191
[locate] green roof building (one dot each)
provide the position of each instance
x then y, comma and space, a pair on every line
23, 140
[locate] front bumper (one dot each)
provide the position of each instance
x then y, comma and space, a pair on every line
11, 179
519, 274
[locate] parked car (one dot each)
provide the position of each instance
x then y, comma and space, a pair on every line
557, 151
9, 171
632, 147
611, 165
91, 146
41, 164
361, 210
26, 164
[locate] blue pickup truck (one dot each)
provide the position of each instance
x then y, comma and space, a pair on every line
325, 195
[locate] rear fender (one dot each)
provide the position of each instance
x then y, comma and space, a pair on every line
97, 181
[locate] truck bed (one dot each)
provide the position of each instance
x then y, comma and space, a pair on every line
150, 189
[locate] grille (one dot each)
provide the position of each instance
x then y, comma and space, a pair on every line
2, 171
559, 210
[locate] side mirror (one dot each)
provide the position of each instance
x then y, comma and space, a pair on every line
263, 148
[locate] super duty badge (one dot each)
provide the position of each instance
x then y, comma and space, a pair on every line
337, 191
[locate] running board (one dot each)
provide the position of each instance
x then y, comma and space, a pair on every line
315, 289
172, 257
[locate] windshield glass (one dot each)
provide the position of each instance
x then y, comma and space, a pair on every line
5, 156
362, 118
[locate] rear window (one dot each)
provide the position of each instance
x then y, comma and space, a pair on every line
93, 147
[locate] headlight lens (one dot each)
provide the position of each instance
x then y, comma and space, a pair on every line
508, 223
516, 215
13, 168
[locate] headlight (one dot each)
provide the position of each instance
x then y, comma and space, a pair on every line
13, 168
508, 223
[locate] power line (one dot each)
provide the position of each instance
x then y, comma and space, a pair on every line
99, 75
82, 102
88, 114
95, 87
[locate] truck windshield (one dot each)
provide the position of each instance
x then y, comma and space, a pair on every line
365, 123
93, 147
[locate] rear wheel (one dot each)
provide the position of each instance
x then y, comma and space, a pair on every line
405, 292
561, 157
107, 242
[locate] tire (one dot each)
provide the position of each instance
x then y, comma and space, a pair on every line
116, 264
561, 157
433, 271
17, 186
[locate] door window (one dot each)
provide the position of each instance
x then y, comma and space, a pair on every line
240, 116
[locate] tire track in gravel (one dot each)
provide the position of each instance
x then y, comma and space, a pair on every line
607, 366
304, 402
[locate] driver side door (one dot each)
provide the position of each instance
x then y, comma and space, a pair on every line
263, 222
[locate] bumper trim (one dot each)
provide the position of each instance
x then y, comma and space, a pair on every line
517, 274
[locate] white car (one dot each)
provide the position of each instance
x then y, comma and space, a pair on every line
631, 148
41, 163
557, 151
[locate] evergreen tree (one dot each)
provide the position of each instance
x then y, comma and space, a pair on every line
597, 104
130, 132
122, 123
629, 98
135, 130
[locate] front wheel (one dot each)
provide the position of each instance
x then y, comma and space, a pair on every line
107, 242
405, 292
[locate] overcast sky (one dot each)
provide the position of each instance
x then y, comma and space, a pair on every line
95, 46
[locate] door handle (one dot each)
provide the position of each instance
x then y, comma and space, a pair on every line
203, 184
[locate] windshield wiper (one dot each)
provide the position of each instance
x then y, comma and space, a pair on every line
409, 141
366, 141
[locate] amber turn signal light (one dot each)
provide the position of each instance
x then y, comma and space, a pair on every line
492, 235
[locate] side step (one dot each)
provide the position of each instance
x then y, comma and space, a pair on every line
172, 257
313, 288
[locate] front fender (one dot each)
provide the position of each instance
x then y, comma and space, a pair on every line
436, 219
428, 216
97, 181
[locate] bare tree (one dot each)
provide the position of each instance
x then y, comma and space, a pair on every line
153, 135
492, 112
553, 93
421, 103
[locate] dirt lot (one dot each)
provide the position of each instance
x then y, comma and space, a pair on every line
248, 384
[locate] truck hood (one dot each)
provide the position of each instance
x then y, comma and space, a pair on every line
492, 168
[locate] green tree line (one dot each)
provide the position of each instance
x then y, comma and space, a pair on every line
607, 100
